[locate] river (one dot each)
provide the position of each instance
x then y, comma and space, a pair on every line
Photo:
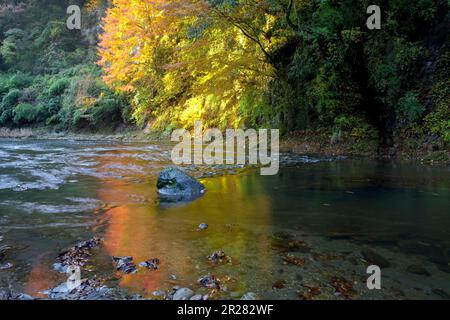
329, 214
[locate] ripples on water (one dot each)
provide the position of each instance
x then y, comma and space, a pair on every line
54, 194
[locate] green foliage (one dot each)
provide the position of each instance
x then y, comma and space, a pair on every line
409, 107
438, 121
49, 77
7, 106
245, 64
57, 88
25, 113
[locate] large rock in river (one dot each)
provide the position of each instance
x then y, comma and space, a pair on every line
176, 185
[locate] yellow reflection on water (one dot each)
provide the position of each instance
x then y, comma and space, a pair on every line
237, 211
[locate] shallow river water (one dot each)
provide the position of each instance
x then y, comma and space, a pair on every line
306, 233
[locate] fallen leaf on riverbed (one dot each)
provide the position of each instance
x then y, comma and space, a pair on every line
343, 286
293, 260
323, 257
280, 284
312, 292
289, 245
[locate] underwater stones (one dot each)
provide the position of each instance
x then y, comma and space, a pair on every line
183, 294
441, 293
3, 251
249, 296
125, 264
219, 257
9, 295
202, 226
6, 266
435, 253
209, 281
175, 185
89, 289
419, 270
151, 264
374, 258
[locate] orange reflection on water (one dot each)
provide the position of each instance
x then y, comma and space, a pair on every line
40, 279
236, 210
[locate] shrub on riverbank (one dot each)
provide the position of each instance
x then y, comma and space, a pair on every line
73, 99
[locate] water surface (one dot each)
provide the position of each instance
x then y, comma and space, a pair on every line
54, 194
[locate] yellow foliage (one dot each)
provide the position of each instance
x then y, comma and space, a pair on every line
182, 60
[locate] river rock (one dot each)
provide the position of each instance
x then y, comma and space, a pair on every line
3, 251
209, 281
441, 293
176, 185
6, 266
374, 258
202, 226
125, 264
9, 295
183, 294
249, 296
197, 297
151, 264
419, 270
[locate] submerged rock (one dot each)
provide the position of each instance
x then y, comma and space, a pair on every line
151, 264
219, 257
202, 226
175, 185
249, 296
374, 258
3, 251
209, 281
87, 290
183, 294
125, 264
6, 266
419, 270
441, 293
10, 295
